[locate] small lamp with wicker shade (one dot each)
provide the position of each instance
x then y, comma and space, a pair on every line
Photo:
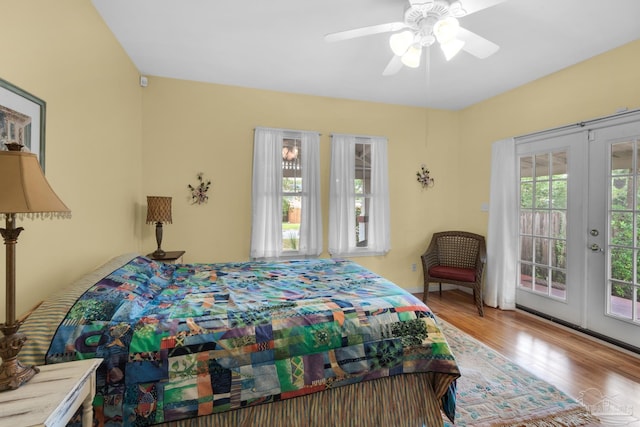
24, 192
158, 212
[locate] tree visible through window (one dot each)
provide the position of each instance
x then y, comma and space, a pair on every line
362, 189
291, 193
543, 224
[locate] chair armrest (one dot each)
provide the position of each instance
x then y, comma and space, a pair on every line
481, 261
429, 257
482, 255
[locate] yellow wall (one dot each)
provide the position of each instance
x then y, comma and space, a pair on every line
195, 127
110, 143
594, 88
62, 52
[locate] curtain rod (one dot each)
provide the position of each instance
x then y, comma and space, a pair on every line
357, 136
287, 130
580, 124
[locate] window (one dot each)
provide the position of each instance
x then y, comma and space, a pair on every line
359, 196
291, 193
623, 230
362, 189
286, 217
543, 223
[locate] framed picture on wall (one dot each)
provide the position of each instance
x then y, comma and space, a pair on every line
22, 119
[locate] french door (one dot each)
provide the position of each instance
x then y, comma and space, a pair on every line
613, 232
579, 230
551, 277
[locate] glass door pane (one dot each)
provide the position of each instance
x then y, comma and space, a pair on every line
623, 260
543, 218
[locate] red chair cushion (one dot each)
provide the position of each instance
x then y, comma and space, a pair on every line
453, 273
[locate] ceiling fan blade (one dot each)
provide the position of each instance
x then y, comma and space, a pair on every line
393, 66
476, 45
364, 31
472, 6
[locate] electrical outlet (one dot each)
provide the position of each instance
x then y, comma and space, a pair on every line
413, 267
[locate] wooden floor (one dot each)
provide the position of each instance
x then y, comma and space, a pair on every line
572, 362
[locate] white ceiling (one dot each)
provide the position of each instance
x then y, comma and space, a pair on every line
278, 45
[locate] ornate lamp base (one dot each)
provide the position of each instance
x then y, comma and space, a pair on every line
13, 373
159, 253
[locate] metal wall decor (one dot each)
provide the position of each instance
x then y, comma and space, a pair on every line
423, 177
199, 191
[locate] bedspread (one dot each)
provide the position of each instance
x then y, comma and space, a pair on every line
181, 341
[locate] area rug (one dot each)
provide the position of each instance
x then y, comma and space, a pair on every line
495, 392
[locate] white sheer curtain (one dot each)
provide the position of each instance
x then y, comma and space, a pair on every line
266, 229
379, 222
502, 239
342, 200
342, 215
311, 220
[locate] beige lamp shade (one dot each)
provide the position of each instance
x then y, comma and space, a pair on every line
25, 190
158, 209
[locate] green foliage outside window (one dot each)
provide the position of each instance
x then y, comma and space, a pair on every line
622, 236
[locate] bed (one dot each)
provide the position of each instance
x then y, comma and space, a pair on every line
289, 343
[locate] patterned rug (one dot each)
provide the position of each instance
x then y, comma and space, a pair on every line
495, 392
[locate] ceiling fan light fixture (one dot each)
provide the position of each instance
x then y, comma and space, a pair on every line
400, 42
412, 57
451, 48
446, 29
456, 9
425, 23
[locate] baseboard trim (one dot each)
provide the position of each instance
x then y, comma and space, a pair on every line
588, 332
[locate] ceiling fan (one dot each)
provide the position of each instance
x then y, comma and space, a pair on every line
425, 22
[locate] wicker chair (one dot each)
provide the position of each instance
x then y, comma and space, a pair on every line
457, 258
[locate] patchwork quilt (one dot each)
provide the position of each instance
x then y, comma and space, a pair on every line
180, 341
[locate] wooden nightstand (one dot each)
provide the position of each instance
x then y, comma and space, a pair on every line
52, 396
171, 257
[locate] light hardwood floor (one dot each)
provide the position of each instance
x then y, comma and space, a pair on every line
572, 362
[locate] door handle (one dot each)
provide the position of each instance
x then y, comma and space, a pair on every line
595, 248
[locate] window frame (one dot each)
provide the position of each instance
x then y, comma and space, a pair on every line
343, 196
267, 195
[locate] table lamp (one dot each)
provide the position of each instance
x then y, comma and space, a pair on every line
158, 211
24, 192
